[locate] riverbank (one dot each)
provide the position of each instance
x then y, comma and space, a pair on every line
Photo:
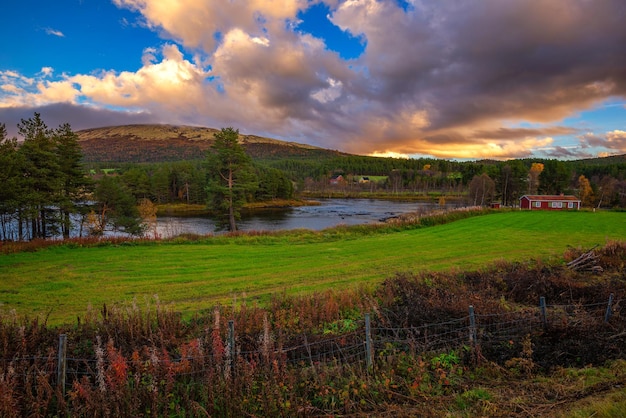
432, 197
309, 198
184, 209
281, 203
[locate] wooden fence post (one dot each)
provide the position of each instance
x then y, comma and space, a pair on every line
62, 362
308, 350
472, 329
368, 341
609, 310
231, 343
544, 313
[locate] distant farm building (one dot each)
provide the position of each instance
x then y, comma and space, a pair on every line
549, 202
338, 179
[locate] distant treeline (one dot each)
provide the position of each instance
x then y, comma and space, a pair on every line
186, 181
603, 181
316, 170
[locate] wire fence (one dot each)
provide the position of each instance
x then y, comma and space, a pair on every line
361, 346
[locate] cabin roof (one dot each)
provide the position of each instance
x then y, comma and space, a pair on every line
547, 197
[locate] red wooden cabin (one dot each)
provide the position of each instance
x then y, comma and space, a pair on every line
549, 202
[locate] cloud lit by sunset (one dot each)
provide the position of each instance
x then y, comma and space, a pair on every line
457, 80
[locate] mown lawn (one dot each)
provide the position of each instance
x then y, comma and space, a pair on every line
62, 282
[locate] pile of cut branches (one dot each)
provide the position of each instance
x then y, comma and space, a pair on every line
588, 261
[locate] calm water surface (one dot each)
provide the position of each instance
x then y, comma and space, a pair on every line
331, 212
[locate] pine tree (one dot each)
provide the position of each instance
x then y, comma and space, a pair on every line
231, 177
10, 192
40, 175
74, 183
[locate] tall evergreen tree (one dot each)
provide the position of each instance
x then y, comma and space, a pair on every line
10, 192
231, 177
41, 176
74, 183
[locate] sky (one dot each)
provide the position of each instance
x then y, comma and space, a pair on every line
449, 79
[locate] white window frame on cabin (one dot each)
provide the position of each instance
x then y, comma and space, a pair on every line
570, 205
536, 204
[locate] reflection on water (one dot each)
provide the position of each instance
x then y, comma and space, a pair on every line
331, 212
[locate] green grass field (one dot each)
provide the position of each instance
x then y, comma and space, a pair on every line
62, 282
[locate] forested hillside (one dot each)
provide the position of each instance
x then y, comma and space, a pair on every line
599, 182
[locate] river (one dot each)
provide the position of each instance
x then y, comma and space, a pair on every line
330, 213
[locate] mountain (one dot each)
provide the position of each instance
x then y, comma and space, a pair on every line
158, 143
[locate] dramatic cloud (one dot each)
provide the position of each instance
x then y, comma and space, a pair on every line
614, 140
198, 23
470, 79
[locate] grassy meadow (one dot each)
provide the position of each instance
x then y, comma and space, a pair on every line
61, 282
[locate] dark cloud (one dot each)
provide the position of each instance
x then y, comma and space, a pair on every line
566, 153
476, 61
593, 140
79, 117
519, 133
615, 140
448, 138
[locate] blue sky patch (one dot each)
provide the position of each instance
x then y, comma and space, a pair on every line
315, 22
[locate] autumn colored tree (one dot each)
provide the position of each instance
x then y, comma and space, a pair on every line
585, 192
533, 177
148, 214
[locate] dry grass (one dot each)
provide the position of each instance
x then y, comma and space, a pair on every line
146, 360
